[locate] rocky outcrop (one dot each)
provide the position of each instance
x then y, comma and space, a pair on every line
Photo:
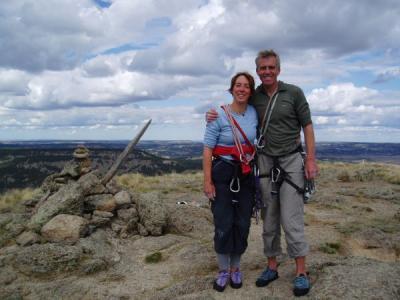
67, 200
47, 259
152, 214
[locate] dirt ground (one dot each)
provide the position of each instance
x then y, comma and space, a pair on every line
352, 226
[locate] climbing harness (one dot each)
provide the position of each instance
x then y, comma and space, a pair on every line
243, 154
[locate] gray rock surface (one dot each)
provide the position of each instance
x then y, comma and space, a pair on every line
357, 278
152, 213
64, 228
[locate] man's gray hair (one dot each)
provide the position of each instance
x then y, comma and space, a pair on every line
269, 53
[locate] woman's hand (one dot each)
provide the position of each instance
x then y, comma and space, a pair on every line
208, 186
209, 190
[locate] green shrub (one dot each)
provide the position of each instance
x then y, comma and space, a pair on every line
153, 258
330, 248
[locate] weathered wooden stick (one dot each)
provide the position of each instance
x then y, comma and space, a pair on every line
111, 172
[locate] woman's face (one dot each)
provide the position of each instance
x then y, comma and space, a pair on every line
241, 90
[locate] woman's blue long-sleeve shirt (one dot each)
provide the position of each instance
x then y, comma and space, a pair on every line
219, 132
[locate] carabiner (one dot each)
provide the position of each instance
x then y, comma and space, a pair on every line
231, 185
274, 178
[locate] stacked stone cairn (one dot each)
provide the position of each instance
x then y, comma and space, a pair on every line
74, 203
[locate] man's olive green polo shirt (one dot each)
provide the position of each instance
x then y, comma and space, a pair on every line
290, 113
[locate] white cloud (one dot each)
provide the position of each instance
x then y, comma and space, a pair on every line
73, 63
344, 103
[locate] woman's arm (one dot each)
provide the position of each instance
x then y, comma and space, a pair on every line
208, 186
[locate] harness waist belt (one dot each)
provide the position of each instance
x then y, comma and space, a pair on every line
234, 152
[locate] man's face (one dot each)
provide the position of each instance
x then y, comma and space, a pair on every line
268, 71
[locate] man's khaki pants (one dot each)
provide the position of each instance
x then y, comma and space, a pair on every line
286, 208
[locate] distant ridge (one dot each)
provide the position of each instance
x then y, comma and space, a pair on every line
335, 151
27, 163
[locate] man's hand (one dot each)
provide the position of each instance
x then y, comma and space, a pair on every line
211, 115
311, 169
209, 190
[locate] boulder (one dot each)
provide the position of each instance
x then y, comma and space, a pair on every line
28, 238
189, 220
152, 213
112, 187
103, 202
64, 228
91, 184
122, 198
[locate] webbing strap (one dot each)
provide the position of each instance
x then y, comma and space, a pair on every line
265, 121
278, 175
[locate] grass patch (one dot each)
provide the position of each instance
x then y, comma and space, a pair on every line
11, 198
330, 248
166, 183
361, 172
153, 258
384, 224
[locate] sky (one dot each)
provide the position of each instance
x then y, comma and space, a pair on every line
98, 69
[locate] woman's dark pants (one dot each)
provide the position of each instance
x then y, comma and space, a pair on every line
232, 211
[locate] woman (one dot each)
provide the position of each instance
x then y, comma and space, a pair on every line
228, 181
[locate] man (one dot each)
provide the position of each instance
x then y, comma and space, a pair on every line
282, 111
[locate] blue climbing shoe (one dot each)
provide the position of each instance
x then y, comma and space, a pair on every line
266, 277
301, 285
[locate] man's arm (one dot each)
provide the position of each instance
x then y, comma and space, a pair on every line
211, 115
310, 166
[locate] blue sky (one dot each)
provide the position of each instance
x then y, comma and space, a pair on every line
98, 69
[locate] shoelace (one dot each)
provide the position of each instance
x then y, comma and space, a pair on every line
268, 272
236, 276
222, 278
